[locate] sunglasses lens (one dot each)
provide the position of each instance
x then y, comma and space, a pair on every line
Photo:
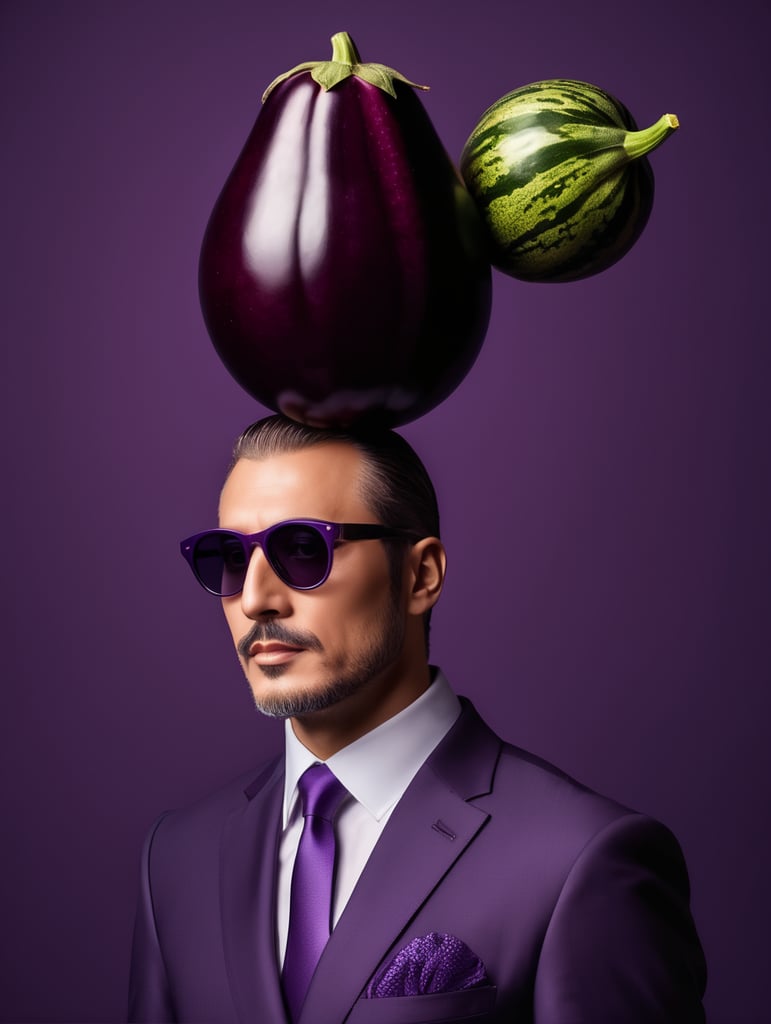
299, 555
221, 563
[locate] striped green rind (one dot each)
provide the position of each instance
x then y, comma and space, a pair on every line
548, 168
580, 101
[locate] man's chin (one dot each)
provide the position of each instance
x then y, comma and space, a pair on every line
289, 702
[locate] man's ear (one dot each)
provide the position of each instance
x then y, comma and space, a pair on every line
426, 566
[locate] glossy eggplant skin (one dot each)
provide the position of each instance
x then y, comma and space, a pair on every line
344, 275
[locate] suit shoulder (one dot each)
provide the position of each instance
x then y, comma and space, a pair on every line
209, 812
552, 801
571, 829
516, 786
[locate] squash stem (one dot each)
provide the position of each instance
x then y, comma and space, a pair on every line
344, 49
637, 144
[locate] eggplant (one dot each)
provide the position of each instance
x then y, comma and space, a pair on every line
344, 275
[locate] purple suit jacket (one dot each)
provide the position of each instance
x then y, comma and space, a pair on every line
577, 906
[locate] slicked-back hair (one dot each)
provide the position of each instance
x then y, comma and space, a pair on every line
395, 484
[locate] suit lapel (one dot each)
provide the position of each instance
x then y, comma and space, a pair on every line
429, 829
248, 864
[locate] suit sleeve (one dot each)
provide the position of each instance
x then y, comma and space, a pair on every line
621, 945
149, 993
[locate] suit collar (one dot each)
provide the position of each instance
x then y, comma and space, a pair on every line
467, 758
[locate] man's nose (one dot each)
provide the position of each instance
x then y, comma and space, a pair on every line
263, 593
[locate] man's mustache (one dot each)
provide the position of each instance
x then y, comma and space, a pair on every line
265, 632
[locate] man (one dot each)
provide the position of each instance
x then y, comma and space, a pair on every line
461, 878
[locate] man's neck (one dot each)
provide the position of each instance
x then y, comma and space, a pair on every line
327, 731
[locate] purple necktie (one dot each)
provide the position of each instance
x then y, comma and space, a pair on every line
310, 911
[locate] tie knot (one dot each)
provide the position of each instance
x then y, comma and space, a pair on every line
321, 793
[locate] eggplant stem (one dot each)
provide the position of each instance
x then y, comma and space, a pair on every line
637, 144
345, 63
344, 49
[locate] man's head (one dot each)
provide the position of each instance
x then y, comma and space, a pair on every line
357, 642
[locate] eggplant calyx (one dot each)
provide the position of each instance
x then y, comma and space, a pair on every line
345, 63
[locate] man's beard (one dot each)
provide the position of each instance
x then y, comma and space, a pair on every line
384, 649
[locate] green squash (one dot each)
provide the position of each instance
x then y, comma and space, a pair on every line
559, 174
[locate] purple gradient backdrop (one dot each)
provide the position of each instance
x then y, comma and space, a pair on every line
610, 451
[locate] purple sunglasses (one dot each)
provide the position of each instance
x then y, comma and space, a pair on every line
299, 551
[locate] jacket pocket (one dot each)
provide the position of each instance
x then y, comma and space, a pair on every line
471, 1004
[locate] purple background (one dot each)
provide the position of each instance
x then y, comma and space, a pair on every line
609, 451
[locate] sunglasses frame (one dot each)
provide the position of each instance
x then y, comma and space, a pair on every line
330, 532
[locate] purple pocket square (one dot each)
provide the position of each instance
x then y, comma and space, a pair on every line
432, 963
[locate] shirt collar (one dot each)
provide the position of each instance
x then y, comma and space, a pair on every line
377, 768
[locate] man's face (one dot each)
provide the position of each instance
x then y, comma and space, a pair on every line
303, 651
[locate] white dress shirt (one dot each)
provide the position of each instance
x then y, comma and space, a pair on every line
376, 770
